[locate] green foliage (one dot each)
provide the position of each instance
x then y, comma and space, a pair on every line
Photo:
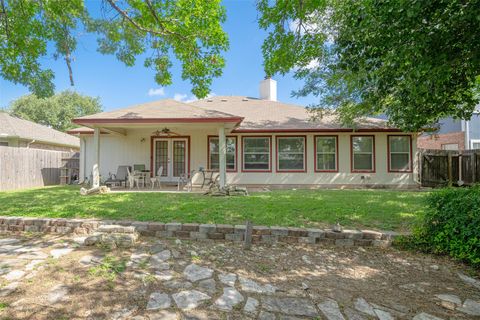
451, 225
56, 111
109, 268
189, 31
415, 61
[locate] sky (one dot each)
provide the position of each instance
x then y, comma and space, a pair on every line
119, 86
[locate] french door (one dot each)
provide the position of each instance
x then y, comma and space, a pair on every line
172, 155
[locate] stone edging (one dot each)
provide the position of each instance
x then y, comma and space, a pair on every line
204, 232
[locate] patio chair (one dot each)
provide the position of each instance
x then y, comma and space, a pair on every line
156, 179
119, 177
186, 180
138, 167
130, 178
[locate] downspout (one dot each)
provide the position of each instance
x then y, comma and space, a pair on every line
28, 144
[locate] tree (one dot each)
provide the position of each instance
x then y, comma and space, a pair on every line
187, 30
415, 61
56, 111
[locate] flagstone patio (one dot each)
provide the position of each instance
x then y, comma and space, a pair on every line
57, 277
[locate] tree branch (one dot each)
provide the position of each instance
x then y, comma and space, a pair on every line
4, 11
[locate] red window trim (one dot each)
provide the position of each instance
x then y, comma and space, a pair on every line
152, 138
243, 154
277, 169
410, 170
315, 152
236, 152
351, 154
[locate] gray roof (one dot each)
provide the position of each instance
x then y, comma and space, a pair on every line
22, 129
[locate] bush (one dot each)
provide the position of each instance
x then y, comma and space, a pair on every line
451, 224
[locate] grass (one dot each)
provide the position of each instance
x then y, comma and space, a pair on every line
377, 209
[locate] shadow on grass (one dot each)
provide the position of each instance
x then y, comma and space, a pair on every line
381, 209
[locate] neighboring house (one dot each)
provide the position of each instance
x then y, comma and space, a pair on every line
16, 132
250, 141
454, 134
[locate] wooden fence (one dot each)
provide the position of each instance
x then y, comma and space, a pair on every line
22, 168
448, 167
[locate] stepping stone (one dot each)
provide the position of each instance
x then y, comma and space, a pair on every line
251, 305
470, 307
208, 285
175, 284
34, 255
290, 306
189, 299
163, 315
6, 241
353, 314
469, 280
248, 285
383, 315
164, 275
228, 279
160, 257
14, 275
331, 310
79, 240
90, 260
123, 314
425, 316
57, 253
264, 315
159, 300
8, 289
57, 294
449, 301
363, 306
9, 248
32, 264
229, 299
195, 272
138, 257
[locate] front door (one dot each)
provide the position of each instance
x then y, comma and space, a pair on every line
172, 155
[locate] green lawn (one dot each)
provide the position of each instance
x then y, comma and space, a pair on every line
378, 209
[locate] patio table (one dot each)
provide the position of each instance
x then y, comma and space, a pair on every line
207, 176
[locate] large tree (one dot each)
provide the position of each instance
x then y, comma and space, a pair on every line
163, 30
56, 111
415, 61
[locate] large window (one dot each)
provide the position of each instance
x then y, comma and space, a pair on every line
214, 153
291, 154
256, 153
363, 153
326, 153
400, 156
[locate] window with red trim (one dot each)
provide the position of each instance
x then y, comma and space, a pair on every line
363, 157
256, 153
326, 153
400, 157
291, 153
214, 153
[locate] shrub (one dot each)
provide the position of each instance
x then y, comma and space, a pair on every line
451, 224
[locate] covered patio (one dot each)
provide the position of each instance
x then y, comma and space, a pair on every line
162, 147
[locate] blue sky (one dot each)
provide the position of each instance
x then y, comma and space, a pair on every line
120, 86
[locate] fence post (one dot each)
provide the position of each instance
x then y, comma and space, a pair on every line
450, 169
474, 167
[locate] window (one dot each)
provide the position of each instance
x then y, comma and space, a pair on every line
326, 153
450, 146
256, 153
400, 157
4, 143
214, 157
291, 154
363, 150
475, 144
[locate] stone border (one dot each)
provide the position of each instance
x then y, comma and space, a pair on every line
205, 232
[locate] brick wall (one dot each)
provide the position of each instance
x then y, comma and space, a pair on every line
204, 232
435, 141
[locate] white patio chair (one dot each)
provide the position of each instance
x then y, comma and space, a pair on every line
156, 179
139, 179
130, 179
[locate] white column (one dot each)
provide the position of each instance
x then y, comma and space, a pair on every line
222, 156
96, 158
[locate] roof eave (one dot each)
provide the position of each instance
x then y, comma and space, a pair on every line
87, 122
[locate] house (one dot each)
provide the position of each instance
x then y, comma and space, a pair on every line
250, 141
454, 134
16, 132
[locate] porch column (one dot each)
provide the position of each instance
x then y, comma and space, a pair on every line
222, 157
96, 158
